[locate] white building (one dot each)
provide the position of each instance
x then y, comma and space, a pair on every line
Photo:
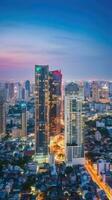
73, 124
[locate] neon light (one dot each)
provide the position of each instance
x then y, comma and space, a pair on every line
38, 69
23, 105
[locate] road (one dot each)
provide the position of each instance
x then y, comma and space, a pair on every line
98, 179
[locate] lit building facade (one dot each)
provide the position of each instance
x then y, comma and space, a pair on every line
95, 91
24, 119
74, 151
42, 109
11, 90
87, 90
104, 92
110, 89
55, 102
27, 88
2, 116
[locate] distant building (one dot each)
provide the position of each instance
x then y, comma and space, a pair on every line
95, 91
2, 114
19, 91
27, 88
110, 89
104, 92
11, 90
74, 151
23, 93
24, 119
87, 90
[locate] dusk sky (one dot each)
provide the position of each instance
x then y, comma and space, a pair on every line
72, 35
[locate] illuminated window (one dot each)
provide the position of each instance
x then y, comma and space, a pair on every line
38, 69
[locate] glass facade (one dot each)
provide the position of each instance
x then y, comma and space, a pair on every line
42, 109
73, 122
55, 84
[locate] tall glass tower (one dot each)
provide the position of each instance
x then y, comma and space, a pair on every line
73, 124
42, 109
2, 114
55, 102
24, 119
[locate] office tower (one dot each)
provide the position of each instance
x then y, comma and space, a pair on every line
23, 93
11, 90
74, 97
87, 90
104, 92
24, 119
7, 91
27, 87
42, 108
32, 90
18, 91
2, 114
95, 91
55, 102
110, 89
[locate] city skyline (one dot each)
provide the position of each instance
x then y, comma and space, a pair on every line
52, 135
74, 37
56, 99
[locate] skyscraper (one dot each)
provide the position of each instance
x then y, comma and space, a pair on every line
55, 101
19, 87
27, 87
104, 92
87, 90
24, 119
110, 89
2, 114
11, 90
73, 124
95, 91
42, 108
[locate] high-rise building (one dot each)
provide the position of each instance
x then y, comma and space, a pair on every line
11, 90
104, 92
19, 91
27, 87
87, 90
42, 109
23, 93
55, 102
110, 89
95, 91
2, 115
74, 151
6, 90
24, 119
